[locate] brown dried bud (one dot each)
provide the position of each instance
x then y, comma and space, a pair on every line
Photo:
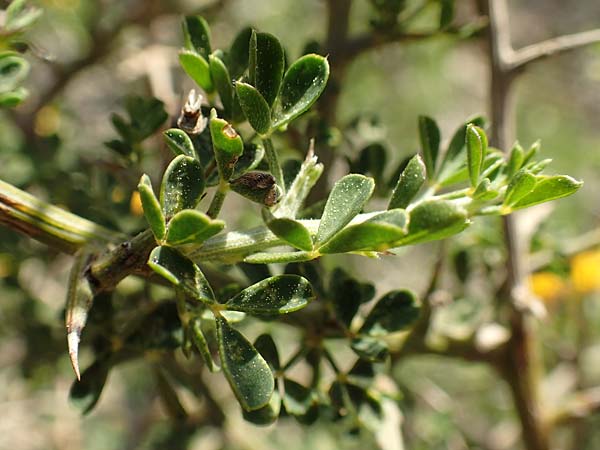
259, 187
191, 119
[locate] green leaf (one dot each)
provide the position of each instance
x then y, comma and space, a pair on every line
19, 16
246, 370
266, 415
515, 161
395, 311
409, 183
446, 13
255, 107
266, 64
347, 198
454, 160
180, 143
84, 394
180, 271
302, 85
197, 69
433, 220
13, 70
281, 294
182, 185
549, 188
146, 116
348, 294
520, 185
13, 98
429, 134
151, 206
267, 348
290, 230
199, 340
300, 402
370, 348
259, 187
476, 152
196, 35
372, 160
192, 227
279, 257
227, 143
378, 234
239, 52
223, 83
484, 191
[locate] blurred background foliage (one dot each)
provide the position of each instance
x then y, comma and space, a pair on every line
87, 55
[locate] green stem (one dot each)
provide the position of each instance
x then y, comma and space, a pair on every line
49, 224
273, 161
217, 202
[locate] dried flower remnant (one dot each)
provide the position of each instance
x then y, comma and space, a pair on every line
191, 119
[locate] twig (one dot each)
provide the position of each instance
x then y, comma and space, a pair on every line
550, 47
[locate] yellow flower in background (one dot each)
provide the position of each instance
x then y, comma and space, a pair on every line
135, 204
547, 286
585, 272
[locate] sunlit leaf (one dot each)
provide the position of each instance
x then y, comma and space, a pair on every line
549, 188
409, 183
227, 143
152, 209
302, 85
192, 227
223, 83
197, 69
347, 198
179, 142
255, 107
182, 185
199, 340
476, 152
435, 219
378, 233
290, 230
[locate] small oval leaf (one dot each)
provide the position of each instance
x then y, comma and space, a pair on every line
197, 69
433, 220
192, 227
151, 207
376, 234
196, 35
429, 134
395, 311
302, 85
247, 372
409, 183
266, 65
290, 230
549, 188
476, 152
183, 273
182, 185
520, 185
227, 144
197, 337
180, 143
223, 83
347, 198
281, 294
255, 107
